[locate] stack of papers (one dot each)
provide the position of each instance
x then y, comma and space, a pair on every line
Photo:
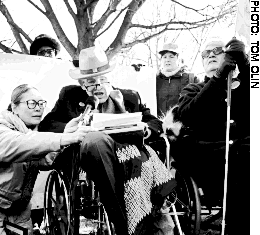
113, 123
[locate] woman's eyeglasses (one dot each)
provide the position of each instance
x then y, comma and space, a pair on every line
216, 51
91, 87
46, 52
31, 104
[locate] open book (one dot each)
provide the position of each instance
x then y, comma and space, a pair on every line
114, 123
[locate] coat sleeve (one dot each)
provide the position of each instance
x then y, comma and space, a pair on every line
195, 98
20, 147
56, 119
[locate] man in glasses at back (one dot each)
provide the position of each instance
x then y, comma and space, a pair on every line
203, 108
44, 45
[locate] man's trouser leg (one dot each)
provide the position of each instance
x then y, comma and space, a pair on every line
99, 161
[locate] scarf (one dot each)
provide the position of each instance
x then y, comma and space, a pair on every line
12, 121
114, 103
171, 73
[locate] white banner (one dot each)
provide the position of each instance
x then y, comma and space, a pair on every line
50, 75
46, 74
143, 81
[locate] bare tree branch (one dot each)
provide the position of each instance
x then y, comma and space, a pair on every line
77, 4
110, 9
127, 21
57, 28
70, 10
16, 33
113, 21
88, 32
200, 22
196, 10
21, 32
38, 8
8, 49
5, 48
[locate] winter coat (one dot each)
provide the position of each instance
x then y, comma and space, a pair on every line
203, 109
168, 89
19, 148
72, 101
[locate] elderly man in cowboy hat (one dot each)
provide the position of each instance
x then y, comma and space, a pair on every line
44, 45
171, 78
116, 165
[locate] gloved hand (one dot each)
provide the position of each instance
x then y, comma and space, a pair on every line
227, 65
236, 50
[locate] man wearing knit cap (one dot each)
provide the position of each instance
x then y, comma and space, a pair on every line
44, 45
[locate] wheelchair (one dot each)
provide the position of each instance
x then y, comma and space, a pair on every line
184, 201
72, 205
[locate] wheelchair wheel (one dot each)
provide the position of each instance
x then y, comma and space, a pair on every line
186, 202
56, 205
89, 214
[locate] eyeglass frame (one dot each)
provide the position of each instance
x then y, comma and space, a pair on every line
41, 106
95, 85
214, 52
49, 51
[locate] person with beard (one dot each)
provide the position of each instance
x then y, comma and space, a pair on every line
131, 179
171, 79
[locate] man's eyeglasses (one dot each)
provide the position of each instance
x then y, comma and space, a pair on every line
216, 51
31, 104
91, 87
46, 52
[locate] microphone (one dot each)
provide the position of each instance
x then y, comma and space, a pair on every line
91, 104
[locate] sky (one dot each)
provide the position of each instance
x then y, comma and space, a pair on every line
35, 23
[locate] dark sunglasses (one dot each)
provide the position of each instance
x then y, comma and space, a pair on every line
216, 51
31, 104
46, 51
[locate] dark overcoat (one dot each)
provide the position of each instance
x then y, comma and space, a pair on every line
203, 110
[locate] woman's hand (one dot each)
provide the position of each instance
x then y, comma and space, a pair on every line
76, 136
72, 125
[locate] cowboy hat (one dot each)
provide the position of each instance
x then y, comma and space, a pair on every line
44, 40
92, 62
169, 47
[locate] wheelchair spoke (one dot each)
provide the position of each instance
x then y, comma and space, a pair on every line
185, 206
